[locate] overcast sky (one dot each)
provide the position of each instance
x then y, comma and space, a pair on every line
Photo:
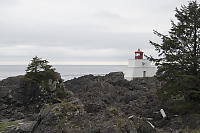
81, 31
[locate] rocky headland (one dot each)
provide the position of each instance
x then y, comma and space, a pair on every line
89, 104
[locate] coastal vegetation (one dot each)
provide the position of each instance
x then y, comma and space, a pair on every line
39, 70
42, 82
41, 102
3, 126
179, 58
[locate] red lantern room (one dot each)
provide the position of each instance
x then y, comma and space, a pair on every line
138, 54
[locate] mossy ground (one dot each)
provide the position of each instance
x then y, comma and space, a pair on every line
65, 108
4, 126
112, 111
187, 130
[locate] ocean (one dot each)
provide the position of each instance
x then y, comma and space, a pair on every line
67, 71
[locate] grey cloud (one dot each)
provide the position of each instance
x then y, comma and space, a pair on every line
9, 2
79, 39
107, 14
81, 36
121, 26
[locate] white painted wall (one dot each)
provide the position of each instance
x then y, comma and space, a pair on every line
137, 68
139, 63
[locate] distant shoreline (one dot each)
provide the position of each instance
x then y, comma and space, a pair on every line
67, 71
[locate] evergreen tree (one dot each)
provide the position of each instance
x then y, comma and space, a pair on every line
179, 55
38, 82
40, 70
37, 65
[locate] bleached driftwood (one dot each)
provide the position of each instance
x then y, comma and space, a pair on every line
163, 113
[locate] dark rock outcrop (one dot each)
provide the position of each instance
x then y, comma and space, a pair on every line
136, 97
89, 104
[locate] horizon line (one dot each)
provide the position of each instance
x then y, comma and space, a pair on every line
68, 64
71, 63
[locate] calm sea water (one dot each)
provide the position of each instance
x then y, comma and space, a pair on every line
67, 71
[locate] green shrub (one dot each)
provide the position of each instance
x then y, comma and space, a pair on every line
112, 111
4, 126
36, 82
182, 107
64, 108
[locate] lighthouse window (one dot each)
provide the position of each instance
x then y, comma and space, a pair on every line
137, 54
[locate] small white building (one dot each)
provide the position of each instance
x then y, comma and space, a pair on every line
139, 67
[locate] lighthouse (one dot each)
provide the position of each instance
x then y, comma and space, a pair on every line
139, 67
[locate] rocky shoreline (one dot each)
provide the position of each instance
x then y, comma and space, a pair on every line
92, 104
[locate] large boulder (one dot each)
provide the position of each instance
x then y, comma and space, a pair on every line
10, 88
19, 97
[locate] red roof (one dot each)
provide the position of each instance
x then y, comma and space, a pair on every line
139, 51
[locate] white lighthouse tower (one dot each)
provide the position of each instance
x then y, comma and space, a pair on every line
139, 67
